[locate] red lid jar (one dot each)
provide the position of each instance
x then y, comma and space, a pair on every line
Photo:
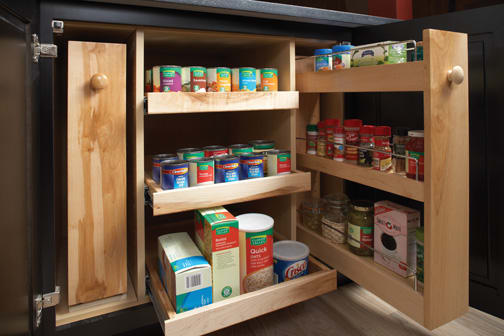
415, 149
352, 128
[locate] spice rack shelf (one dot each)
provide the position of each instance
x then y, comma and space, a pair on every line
177, 200
379, 78
389, 286
390, 182
200, 102
215, 316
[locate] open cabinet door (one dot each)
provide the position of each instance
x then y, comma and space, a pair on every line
18, 143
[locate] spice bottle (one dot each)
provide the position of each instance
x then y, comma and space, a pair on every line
366, 141
311, 139
339, 142
352, 127
321, 139
323, 59
335, 218
361, 228
330, 124
382, 161
399, 142
415, 149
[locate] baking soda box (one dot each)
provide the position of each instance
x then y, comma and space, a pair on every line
394, 240
184, 272
217, 236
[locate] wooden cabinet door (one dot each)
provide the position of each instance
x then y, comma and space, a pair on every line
96, 171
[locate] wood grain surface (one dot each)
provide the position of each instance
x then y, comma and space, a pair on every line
96, 172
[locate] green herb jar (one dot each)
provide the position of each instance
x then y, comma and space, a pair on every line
361, 228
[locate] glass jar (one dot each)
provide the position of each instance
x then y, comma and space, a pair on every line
335, 218
361, 228
352, 128
321, 139
366, 141
330, 125
415, 149
382, 161
311, 139
323, 59
339, 142
311, 213
399, 141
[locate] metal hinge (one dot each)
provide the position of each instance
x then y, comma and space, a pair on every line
45, 301
42, 49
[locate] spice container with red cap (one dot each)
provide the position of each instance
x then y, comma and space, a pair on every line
382, 161
339, 144
321, 140
331, 125
366, 143
352, 128
311, 139
415, 150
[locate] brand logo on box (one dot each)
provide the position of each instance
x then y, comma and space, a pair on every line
295, 269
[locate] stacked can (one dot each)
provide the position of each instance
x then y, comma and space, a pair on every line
279, 162
219, 79
215, 150
156, 165
201, 172
269, 79
240, 149
190, 153
174, 174
251, 166
227, 168
170, 78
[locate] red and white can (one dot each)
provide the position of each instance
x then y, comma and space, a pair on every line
279, 162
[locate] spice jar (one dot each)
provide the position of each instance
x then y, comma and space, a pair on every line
311, 139
339, 142
311, 212
415, 149
366, 141
361, 228
352, 128
323, 59
335, 218
331, 125
321, 139
382, 161
399, 141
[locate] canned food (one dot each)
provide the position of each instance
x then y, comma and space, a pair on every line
171, 80
265, 162
251, 166
156, 79
258, 79
190, 153
201, 172
240, 149
148, 80
235, 79
215, 150
279, 162
186, 79
156, 165
269, 79
290, 260
198, 79
247, 79
219, 79
262, 145
174, 174
227, 168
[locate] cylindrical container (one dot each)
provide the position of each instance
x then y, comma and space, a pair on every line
361, 228
256, 251
420, 257
156, 79
156, 165
262, 145
186, 79
148, 80
279, 162
323, 60
215, 150
265, 162
174, 174
227, 168
269, 79
415, 149
382, 161
342, 59
311, 139
258, 79
311, 212
201, 172
247, 80
290, 260
331, 125
235, 79
190, 153
240, 149
366, 141
171, 78
321, 139
352, 128
219, 79
251, 166
339, 142
335, 218
198, 79
399, 141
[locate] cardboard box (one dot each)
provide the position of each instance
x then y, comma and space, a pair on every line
184, 272
217, 236
375, 54
394, 241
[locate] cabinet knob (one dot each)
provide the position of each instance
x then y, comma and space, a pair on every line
456, 75
99, 81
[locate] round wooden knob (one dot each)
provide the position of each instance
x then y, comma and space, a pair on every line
456, 75
99, 81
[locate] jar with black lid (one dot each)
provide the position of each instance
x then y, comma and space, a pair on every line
361, 228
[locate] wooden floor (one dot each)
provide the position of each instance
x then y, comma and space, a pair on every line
353, 311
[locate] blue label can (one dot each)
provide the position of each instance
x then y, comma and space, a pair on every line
290, 260
247, 81
251, 166
174, 174
156, 165
227, 168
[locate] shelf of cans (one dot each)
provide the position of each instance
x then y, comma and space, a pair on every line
174, 78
